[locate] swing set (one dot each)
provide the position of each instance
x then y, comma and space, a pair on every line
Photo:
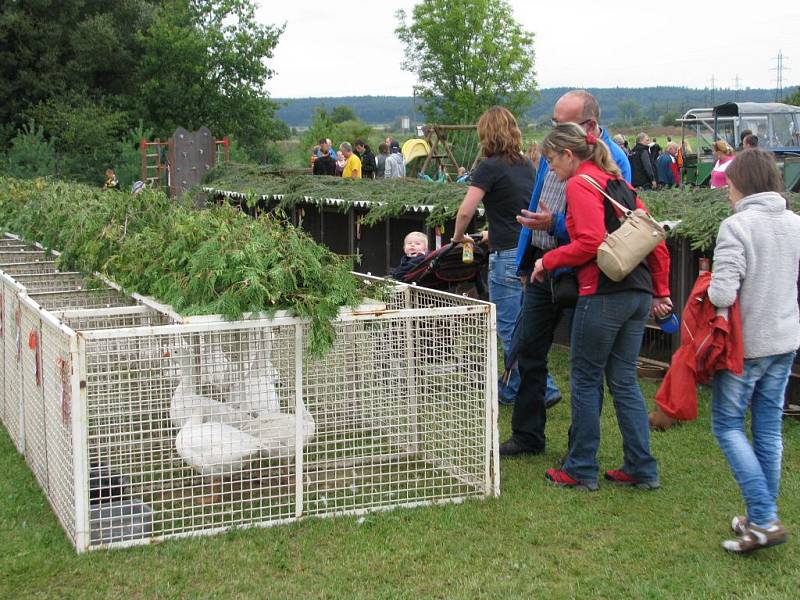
449, 148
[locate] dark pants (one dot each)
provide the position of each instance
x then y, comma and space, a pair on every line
539, 319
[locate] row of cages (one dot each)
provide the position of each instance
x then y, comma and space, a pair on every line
141, 424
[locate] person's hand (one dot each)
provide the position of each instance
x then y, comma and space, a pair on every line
484, 237
653, 184
541, 220
460, 239
538, 271
661, 307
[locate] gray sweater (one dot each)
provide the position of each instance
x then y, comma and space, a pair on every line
757, 254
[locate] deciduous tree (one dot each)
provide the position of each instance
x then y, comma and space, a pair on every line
204, 63
468, 55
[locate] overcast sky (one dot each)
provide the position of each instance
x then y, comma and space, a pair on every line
341, 49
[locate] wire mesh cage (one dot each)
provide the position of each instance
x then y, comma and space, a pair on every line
141, 426
52, 282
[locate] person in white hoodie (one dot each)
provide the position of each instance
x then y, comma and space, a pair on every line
756, 258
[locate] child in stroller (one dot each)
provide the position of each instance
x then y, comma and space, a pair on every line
443, 269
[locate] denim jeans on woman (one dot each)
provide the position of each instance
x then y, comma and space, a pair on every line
505, 291
757, 466
607, 332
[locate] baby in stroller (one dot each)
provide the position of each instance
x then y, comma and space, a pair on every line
443, 269
415, 249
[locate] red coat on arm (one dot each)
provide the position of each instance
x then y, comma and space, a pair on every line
587, 229
709, 343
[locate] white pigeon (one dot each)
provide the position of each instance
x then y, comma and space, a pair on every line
275, 433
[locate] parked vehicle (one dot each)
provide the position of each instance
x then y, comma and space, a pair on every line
776, 125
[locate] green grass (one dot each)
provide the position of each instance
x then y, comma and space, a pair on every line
535, 541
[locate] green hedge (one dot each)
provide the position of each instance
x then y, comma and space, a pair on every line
216, 260
701, 210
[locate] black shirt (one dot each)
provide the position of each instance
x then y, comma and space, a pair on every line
508, 190
324, 165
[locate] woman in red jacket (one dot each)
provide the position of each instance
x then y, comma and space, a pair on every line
609, 318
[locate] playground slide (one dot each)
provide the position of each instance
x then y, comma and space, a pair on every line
415, 148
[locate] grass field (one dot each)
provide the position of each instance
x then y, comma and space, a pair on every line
535, 541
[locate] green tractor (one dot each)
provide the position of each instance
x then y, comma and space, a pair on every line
776, 125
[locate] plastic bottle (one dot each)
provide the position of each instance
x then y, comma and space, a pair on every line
467, 254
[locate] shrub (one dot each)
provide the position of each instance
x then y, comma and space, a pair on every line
31, 154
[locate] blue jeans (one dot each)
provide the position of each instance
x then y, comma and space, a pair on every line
505, 291
607, 332
756, 467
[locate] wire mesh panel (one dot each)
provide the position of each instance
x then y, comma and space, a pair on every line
394, 427
32, 389
93, 298
111, 318
51, 282
39, 266
12, 353
24, 255
4, 280
58, 388
194, 430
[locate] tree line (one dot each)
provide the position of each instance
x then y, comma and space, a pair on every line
620, 105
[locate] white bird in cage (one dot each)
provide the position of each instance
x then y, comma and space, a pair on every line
214, 365
276, 431
218, 450
186, 403
215, 449
257, 392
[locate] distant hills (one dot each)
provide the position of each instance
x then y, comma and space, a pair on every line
652, 102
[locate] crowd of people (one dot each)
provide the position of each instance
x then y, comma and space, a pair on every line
655, 168
545, 224
358, 161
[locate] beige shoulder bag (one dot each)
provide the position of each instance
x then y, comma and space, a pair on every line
625, 248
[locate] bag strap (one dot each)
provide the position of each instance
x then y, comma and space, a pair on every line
625, 210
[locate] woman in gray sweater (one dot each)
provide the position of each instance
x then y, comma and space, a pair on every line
756, 258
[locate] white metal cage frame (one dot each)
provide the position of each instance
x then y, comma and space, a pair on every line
141, 424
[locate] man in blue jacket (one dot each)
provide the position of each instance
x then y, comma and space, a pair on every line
544, 228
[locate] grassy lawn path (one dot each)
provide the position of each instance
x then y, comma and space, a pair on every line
535, 541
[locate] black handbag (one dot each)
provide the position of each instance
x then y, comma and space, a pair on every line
564, 289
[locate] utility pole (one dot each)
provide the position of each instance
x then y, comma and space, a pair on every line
712, 89
779, 69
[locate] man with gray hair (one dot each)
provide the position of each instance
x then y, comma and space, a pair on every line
544, 227
352, 164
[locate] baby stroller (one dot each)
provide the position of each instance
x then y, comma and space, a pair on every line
444, 269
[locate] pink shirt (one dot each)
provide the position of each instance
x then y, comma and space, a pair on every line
718, 172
